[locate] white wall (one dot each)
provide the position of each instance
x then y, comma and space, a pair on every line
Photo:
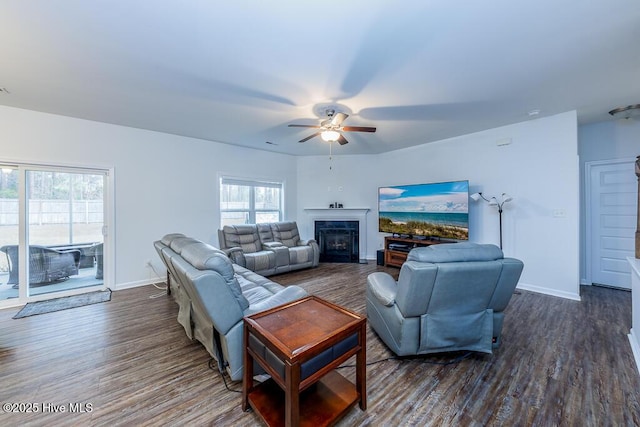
539, 169
166, 183
612, 140
163, 183
349, 181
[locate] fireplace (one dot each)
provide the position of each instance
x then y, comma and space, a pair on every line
356, 215
338, 240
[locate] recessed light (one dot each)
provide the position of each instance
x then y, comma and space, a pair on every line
533, 113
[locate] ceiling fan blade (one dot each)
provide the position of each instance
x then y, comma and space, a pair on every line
305, 126
309, 137
342, 140
358, 129
338, 118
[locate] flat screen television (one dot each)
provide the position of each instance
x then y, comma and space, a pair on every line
434, 210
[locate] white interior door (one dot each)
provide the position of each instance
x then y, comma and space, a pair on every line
611, 221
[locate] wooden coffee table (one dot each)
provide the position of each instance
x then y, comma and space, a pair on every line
299, 345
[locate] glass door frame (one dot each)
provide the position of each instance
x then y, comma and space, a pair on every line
107, 230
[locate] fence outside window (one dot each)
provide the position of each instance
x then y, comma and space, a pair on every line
42, 212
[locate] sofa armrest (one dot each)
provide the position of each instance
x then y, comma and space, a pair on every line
307, 242
214, 295
383, 287
232, 250
236, 255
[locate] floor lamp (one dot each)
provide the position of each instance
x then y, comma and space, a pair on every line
494, 201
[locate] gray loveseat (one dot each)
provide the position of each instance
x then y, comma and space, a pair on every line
448, 297
270, 248
214, 295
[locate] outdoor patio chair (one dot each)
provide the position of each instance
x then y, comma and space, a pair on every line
46, 265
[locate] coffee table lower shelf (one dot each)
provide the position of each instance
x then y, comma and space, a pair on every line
322, 404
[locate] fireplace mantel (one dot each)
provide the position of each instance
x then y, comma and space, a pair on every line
338, 210
341, 214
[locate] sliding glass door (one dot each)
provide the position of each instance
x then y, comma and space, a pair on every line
52, 233
9, 235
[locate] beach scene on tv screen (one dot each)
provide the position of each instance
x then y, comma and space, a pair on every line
432, 210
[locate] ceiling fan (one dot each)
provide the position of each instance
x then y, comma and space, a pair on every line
330, 129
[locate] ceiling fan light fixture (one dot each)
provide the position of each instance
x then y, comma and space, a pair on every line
330, 135
626, 112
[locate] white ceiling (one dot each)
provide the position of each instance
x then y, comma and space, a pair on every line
240, 71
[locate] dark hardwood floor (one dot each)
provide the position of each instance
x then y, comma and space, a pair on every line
561, 363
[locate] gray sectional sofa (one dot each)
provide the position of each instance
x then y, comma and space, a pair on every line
270, 248
214, 294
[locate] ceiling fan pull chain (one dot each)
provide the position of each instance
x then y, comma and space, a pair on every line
330, 156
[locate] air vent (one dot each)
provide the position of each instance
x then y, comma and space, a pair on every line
4, 90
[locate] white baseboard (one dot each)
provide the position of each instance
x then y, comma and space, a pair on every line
129, 285
549, 291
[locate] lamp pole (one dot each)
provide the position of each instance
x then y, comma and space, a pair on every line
500, 216
493, 201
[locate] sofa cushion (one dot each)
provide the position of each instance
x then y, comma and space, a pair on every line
256, 279
168, 238
456, 252
205, 257
286, 233
244, 236
262, 260
265, 233
179, 243
252, 291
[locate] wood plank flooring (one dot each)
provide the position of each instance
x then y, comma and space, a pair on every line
561, 363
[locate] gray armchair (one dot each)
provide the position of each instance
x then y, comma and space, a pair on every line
448, 297
96, 251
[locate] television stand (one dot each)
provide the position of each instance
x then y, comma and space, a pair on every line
396, 249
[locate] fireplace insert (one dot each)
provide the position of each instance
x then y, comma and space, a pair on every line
338, 241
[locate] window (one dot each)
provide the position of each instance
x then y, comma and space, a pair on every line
249, 202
